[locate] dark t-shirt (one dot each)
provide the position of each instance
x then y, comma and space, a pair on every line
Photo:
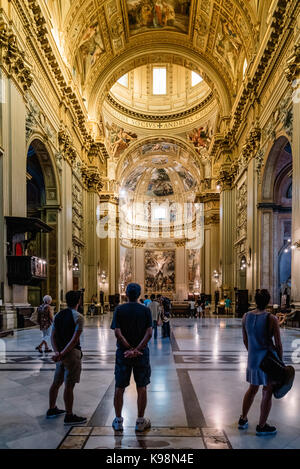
133, 319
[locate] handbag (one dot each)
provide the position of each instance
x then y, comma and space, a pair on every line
34, 316
277, 371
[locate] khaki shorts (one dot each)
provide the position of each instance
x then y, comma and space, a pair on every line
69, 369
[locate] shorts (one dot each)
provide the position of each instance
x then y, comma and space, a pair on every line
139, 365
69, 369
46, 333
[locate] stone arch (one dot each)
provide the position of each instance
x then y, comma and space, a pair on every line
271, 162
173, 53
275, 213
49, 169
48, 244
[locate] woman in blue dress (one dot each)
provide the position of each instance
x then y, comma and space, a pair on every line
258, 333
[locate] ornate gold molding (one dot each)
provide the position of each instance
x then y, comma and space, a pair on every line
293, 64
12, 59
180, 242
91, 178
137, 243
159, 118
66, 147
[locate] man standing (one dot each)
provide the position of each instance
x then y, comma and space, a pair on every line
132, 323
66, 331
154, 308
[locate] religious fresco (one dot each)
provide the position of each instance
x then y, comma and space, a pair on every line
118, 139
164, 147
126, 266
200, 138
133, 178
187, 178
160, 184
89, 50
146, 15
159, 271
160, 160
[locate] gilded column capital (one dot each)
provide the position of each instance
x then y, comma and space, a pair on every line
12, 58
66, 147
292, 70
226, 178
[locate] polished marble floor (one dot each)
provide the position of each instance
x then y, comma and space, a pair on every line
194, 400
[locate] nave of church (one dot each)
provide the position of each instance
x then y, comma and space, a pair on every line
154, 142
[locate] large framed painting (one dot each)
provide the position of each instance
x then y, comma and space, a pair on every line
149, 15
160, 271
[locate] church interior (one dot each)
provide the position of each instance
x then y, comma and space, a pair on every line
155, 142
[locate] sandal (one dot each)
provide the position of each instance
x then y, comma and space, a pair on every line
39, 349
48, 350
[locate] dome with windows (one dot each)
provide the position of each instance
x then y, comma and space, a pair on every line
159, 89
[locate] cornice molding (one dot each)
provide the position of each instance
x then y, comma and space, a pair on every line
12, 58
159, 118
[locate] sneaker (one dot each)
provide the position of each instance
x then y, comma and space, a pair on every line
243, 423
142, 424
52, 413
265, 430
118, 424
74, 420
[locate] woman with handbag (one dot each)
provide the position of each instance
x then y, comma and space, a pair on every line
45, 320
259, 327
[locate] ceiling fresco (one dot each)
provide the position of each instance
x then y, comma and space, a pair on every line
148, 15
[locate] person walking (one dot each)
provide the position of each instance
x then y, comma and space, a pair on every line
227, 305
199, 308
154, 308
165, 317
192, 308
132, 323
66, 332
259, 328
45, 319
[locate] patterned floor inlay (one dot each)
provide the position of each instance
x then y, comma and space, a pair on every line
155, 438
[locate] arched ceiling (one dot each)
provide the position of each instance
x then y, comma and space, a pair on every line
103, 40
167, 153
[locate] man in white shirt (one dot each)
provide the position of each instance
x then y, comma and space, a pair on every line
192, 308
154, 308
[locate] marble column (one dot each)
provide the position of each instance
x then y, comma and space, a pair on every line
252, 230
139, 267
293, 75
226, 238
295, 294
181, 275
13, 182
65, 233
92, 247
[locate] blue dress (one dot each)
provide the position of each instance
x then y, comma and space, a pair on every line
258, 345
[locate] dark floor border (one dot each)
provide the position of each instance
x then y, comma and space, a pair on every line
193, 411
103, 410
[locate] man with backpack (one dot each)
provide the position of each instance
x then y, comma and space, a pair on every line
66, 332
